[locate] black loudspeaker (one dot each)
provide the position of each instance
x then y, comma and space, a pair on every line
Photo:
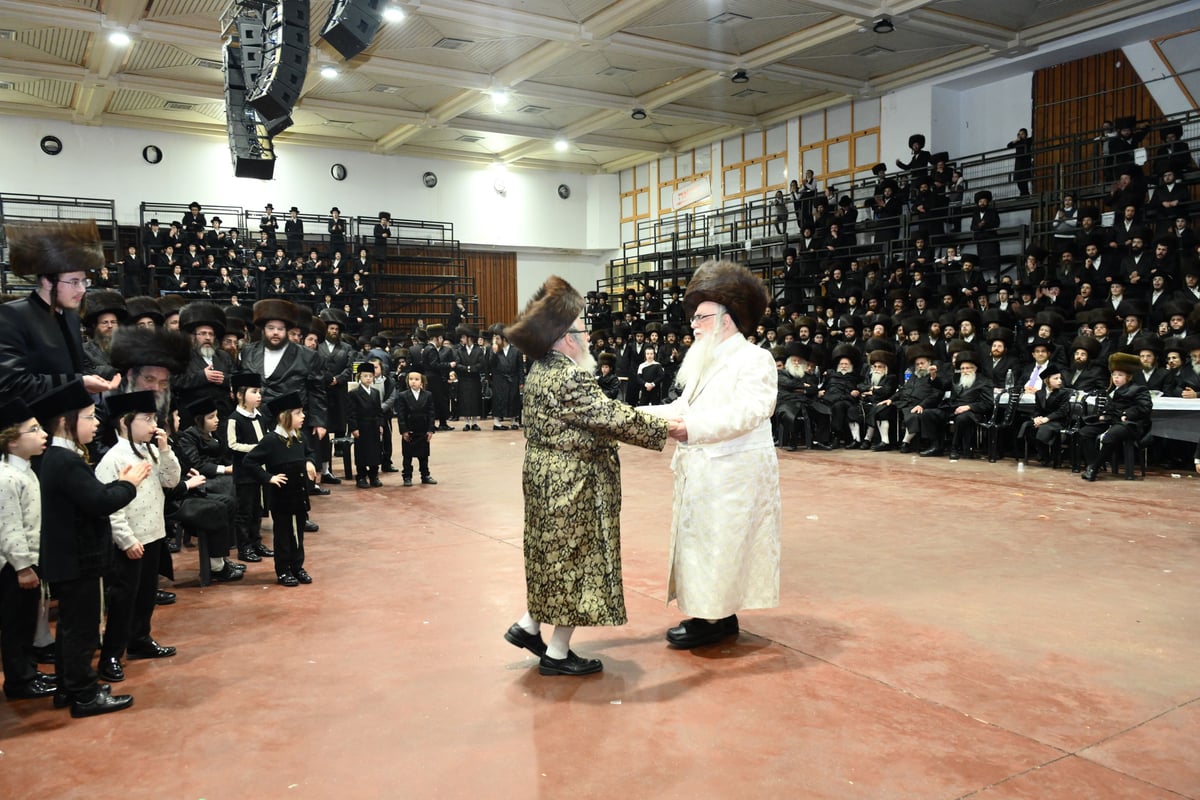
234, 77
285, 60
250, 47
277, 126
250, 146
352, 25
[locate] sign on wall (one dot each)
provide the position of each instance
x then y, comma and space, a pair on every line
689, 193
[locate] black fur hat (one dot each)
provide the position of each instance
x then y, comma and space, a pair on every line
103, 301
203, 312
52, 248
144, 347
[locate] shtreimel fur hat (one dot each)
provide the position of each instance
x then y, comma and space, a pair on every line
146, 347
546, 318
1124, 362
732, 286
272, 308
52, 248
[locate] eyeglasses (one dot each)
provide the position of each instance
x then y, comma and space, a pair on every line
75, 283
91, 417
34, 429
701, 317
577, 330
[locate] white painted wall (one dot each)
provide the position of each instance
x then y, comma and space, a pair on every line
1150, 67
903, 113
106, 162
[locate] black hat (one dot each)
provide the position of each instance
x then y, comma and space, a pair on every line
131, 403
171, 304
286, 402
983, 194
142, 306
1049, 371
879, 169
917, 139
969, 315
293, 209
147, 347
1000, 335
243, 380
385, 215
999, 316
846, 350
269, 207
1089, 344
881, 356
215, 219
1046, 343
14, 412
607, 358
967, 356
203, 312
193, 204
920, 351
364, 366
103, 301
70, 396
153, 221
798, 350
52, 248
1120, 123
1133, 308
201, 408
435, 329
275, 308
335, 210
335, 316
1051, 318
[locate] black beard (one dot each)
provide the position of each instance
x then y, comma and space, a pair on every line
280, 346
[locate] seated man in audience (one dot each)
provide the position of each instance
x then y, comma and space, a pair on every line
1152, 375
970, 403
922, 391
1086, 372
869, 415
1125, 417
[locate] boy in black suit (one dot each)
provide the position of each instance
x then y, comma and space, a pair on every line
417, 420
364, 418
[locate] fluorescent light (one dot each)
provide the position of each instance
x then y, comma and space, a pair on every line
393, 14
119, 38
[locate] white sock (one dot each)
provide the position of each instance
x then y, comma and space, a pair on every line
560, 641
869, 435
529, 624
854, 431
216, 563
909, 436
885, 432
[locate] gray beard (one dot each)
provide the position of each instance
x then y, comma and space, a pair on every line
877, 378
207, 351
795, 371
586, 363
966, 381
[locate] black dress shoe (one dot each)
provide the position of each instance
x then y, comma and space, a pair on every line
172, 545
930, 452
444, 427
390, 468
311, 527
287, 579
519, 637
31, 691
162, 598
101, 703
228, 574
376, 483
699, 632
906, 447
148, 648
821, 446
316, 489
428, 480
571, 665
361, 483
263, 550
881, 447
1089, 474
238, 566
408, 481
955, 455
330, 478
516, 426
44, 654
866, 445
302, 575
111, 670
499, 427
249, 554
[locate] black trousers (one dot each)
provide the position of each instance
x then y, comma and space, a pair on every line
77, 636
418, 448
386, 441
132, 585
18, 624
1114, 435
289, 539
248, 518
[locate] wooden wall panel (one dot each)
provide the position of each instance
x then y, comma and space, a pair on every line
495, 275
1074, 99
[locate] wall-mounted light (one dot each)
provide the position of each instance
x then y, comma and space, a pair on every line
883, 25
740, 76
639, 114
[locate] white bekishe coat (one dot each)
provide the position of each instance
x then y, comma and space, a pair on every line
724, 554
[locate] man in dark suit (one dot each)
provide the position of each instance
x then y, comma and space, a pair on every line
436, 363
1000, 361
382, 233
40, 340
923, 391
338, 358
193, 225
154, 242
293, 228
1152, 375
970, 403
210, 368
1086, 372
507, 376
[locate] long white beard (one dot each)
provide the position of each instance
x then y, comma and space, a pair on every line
700, 356
966, 381
877, 378
586, 363
795, 370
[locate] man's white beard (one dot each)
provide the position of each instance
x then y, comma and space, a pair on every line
700, 355
922, 373
877, 378
796, 370
207, 351
586, 362
162, 403
967, 381
1196, 363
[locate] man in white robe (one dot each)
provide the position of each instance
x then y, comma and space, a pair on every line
726, 516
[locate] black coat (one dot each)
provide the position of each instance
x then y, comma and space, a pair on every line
470, 368
201, 453
364, 414
926, 392
506, 376
1132, 402
38, 349
192, 385
1091, 379
275, 455
298, 371
76, 534
415, 415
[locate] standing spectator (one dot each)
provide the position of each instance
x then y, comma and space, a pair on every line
383, 233
984, 222
506, 377
268, 227
293, 228
337, 233
919, 162
193, 225
40, 340
1122, 146
1022, 161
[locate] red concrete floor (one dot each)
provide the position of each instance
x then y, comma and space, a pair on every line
946, 631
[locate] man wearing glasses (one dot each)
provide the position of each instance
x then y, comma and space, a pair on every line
725, 531
40, 342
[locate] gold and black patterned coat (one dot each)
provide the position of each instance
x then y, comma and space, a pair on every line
572, 483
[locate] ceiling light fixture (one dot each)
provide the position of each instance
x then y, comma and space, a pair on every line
561, 144
328, 72
393, 14
499, 98
119, 38
883, 25
639, 114
740, 76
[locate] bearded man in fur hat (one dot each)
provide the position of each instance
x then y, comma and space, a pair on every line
572, 482
41, 346
725, 525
